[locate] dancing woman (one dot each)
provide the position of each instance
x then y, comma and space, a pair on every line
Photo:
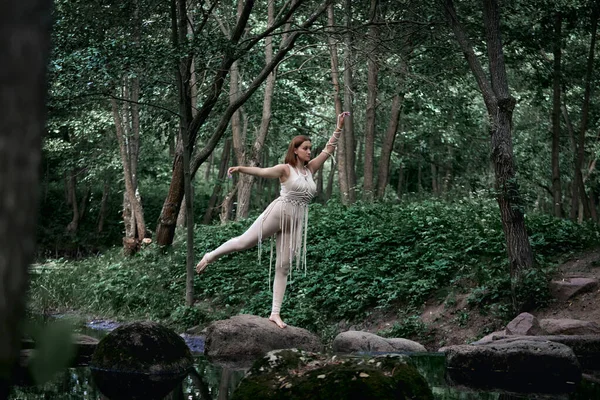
287, 216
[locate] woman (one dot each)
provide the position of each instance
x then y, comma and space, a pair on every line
287, 216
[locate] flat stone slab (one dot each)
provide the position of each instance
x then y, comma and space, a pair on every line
521, 364
570, 287
366, 342
565, 326
244, 338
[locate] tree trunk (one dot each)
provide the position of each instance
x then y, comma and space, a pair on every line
329, 188
348, 135
556, 186
372, 72
129, 175
24, 50
103, 207
433, 167
208, 215
247, 181
500, 105
335, 79
73, 226
579, 191
383, 170
448, 174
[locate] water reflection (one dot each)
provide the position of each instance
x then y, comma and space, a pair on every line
212, 382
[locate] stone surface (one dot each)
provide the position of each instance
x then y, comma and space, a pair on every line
571, 287
247, 337
491, 337
141, 360
298, 375
365, 342
569, 327
532, 365
524, 324
585, 347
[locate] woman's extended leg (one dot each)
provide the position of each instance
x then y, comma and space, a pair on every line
269, 226
282, 268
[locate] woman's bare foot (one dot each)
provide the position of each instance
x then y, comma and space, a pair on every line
203, 263
277, 319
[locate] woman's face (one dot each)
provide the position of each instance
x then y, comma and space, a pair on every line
303, 151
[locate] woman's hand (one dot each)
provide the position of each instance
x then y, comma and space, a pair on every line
232, 170
340, 120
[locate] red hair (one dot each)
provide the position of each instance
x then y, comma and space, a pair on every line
290, 157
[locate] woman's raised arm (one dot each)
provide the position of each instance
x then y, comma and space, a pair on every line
316, 163
277, 171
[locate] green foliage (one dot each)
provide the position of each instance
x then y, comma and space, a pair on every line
54, 350
410, 326
361, 259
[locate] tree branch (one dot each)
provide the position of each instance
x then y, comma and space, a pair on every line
203, 154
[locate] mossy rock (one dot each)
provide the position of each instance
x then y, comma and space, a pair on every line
293, 374
141, 360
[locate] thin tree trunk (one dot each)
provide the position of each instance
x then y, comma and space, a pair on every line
400, 185
349, 140
73, 226
208, 215
83, 202
103, 207
556, 186
127, 173
433, 167
24, 50
329, 188
383, 170
579, 161
246, 183
335, 79
500, 105
448, 174
573, 189
372, 72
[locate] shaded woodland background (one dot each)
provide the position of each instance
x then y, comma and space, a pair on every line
152, 100
452, 105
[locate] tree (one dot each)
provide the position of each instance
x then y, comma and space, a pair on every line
500, 105
24, 50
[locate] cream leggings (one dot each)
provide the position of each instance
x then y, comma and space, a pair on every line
275, 220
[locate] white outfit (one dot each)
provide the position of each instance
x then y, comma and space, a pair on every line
287, 218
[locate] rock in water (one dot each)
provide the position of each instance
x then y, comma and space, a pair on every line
141, 360
298, 375
358, 342
519, 365
247, 337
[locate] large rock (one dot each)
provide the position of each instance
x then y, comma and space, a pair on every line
524, 324
244, 338
519, 365
141, 360
365, 342
571, 287
569, 327
585, 347
298, 375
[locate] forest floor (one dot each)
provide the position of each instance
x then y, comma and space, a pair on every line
456, 322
